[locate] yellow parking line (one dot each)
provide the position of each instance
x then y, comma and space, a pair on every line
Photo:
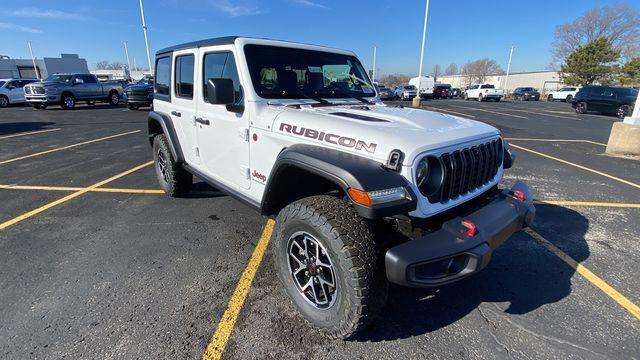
28, 133
67, 188
216, 347
67, 147
31, 213
448, 111
578, 166
587, 274
557, 140
490, 111
588, 203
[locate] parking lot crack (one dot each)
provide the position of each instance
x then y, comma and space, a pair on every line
492, 328
538, 335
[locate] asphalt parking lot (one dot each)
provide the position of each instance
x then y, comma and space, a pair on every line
95, 262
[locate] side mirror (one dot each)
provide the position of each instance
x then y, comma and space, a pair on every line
220, 91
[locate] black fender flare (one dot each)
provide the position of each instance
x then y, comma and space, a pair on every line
345, 170
157, 121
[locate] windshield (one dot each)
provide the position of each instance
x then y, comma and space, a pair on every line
290, 73
528, 89
145, 81
59, 78
409, 87
2, 83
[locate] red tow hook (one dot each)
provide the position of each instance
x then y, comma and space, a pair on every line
471, 227
519, 195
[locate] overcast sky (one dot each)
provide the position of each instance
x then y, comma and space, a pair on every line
458, 31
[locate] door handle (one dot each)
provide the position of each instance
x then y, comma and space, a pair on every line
202, 121
176, 113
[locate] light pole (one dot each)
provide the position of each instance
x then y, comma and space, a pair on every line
506, 78
126, 51
146, 39
374, 64
33, 60
416, 100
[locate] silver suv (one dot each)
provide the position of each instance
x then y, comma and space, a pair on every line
404, 92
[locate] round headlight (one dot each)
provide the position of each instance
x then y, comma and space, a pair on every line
422, 171
429, 175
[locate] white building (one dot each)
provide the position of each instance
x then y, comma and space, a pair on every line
23, 68
541, 80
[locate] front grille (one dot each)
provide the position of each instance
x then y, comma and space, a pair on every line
34, 90
468, 169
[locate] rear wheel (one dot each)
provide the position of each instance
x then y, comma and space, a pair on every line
68, 101
173, 179
328, 262
623, 111
569, 98
4, 101
465, 97
550, 97
581, 107
480, 97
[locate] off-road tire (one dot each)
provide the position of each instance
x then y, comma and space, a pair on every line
175, 181
68, 101
4, 101
358, 264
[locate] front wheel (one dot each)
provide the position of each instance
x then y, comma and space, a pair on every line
114, 98
329, 264
68, 102
550, 98
623, 111
569, 98
480, 97
581, 107
4, 101
173, 179
465, 97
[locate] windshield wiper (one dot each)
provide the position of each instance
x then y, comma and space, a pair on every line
359, 98
315, 98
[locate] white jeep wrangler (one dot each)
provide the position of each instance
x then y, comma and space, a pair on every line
363, 193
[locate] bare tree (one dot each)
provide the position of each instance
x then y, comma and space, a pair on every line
477, 71
452, 69
102, 65
436, 72
620, 24
392, 80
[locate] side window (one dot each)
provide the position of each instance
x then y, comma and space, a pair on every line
221, 65
163, 76
184, 76
88, 79
78, 80
607, 92
11, 84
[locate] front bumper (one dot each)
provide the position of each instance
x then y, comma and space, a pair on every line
450, 254
43, 99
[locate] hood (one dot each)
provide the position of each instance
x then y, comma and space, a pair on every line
46, 83
139, 87
375, 132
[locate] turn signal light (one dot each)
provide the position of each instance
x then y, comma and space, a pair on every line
471, 227
360, 197
519, 195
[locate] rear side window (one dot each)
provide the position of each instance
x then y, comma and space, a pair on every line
184, 76
163, 76
88, 79
487, 87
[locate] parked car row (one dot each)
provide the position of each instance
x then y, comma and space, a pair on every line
12, 91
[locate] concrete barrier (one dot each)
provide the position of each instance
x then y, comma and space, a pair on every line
624, 139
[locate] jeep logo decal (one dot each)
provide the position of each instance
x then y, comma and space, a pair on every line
259, 176
329, 138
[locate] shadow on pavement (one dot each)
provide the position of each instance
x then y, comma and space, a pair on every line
19, 127
522, 273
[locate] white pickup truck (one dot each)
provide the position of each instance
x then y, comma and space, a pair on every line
482, 92
566, 93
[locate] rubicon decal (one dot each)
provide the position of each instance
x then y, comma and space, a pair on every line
329, 138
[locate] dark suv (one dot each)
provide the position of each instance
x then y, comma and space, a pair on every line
526, 94
612, 100
442, 91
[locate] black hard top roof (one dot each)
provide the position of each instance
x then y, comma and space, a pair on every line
225, 40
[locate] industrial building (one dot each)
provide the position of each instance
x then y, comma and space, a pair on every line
541, 80
23, 68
